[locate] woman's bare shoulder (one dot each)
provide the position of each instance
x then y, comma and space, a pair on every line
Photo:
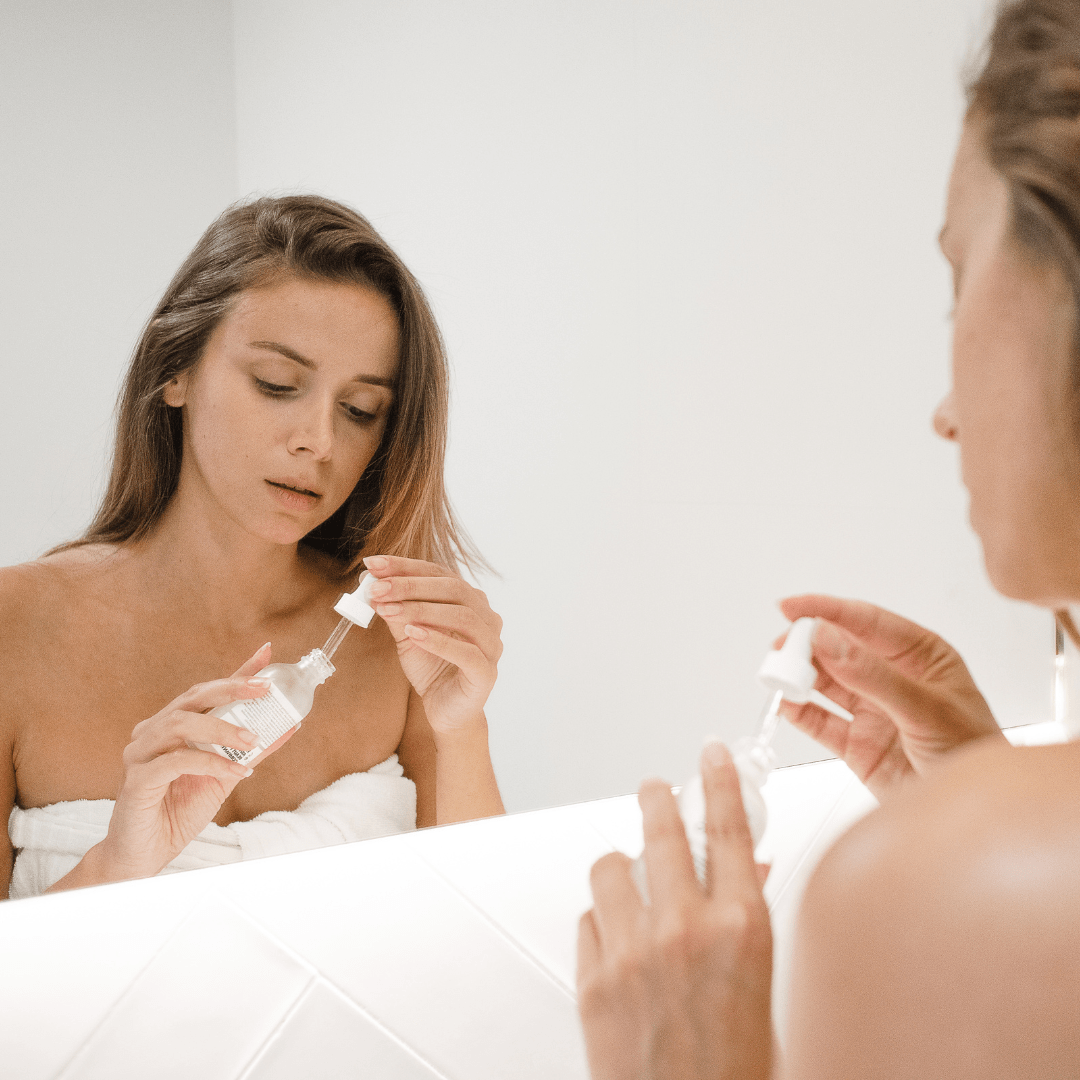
31, 591
955, 909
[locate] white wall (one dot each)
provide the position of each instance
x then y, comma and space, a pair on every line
117, 148
684, 257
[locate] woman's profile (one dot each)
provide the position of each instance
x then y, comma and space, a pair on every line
941, 936
282, 427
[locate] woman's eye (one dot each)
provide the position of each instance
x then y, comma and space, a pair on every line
359, 415
273, 389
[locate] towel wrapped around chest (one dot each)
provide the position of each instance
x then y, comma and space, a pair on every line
49, 841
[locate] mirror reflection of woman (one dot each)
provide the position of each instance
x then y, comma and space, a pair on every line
941, 936
281, 428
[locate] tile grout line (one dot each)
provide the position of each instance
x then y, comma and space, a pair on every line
833, 811
195, 909
505, 934
260, 1052
321, 976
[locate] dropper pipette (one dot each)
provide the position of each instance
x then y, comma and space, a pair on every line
336, 638
354, 608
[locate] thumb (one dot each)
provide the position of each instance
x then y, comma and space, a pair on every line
870, 676
256, 663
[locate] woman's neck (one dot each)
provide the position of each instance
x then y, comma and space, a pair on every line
208, 569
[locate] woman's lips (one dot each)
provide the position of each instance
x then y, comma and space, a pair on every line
292, 497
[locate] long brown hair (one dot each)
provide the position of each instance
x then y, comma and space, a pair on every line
399, 506
1025, 96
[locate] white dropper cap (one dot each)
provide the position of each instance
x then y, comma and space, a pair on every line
789, 670
356, 605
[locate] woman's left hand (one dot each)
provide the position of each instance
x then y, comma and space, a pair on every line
447, 637
680, 989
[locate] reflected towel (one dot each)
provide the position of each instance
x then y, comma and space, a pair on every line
49, 841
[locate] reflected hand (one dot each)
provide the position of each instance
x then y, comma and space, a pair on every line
171, 790
911, 693
447, 637
680, 989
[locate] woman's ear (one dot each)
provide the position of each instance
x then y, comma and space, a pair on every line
175, 392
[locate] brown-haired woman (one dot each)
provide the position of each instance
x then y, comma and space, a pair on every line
282, 426
941, 936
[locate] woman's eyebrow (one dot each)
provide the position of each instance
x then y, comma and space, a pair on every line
303, 361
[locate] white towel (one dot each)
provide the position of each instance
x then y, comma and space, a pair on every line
49, 841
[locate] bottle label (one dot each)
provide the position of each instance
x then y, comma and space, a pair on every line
268, 717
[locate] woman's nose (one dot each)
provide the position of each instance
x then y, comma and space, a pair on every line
945, 419
314, 433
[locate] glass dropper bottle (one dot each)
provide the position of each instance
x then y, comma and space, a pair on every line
291, 693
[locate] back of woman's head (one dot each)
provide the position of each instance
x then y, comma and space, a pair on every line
1026, 100
399, 506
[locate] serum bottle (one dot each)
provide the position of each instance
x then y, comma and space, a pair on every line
292, 686
788, 674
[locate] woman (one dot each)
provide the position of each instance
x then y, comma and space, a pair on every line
282, 426
941, 936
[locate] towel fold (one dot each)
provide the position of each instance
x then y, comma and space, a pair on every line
49, 841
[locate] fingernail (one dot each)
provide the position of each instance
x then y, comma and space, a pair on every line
390, 609
415, 631
381, 588
715, 754
261, 647
260, 684
247, 736
241, 770
828, 642
376, 562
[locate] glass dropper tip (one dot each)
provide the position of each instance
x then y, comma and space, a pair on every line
770, 718
336, 638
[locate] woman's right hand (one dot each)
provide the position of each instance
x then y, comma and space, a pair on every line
911, 693
171, 791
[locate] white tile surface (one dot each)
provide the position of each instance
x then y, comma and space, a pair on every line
203, 1006
328, 1038
440, 955
528, 873
67, 958
619, 821
393, 936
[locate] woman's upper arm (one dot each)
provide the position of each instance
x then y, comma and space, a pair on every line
416, 752
941, 937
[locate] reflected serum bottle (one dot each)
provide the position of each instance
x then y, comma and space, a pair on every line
292, 686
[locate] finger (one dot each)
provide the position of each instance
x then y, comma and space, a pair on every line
588, 948
276, 745
669, 867
446, 590
164, 769
823, 727
870, 676
382, 566
617, 904
210, 695
257, 662
476, 668
449, 618
883, 631
441, 590
730, 847
763, 870
178, 729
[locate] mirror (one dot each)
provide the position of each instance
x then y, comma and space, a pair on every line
683, 257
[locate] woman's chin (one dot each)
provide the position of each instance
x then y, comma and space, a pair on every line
1014, 574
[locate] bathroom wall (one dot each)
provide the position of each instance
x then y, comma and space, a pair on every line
118, 149
683, 254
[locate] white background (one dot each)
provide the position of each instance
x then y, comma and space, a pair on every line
683, 255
